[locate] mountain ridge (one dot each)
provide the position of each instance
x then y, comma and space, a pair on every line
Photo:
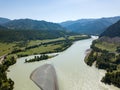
28, 29
112, 31
90, 26
4, 20
29, 24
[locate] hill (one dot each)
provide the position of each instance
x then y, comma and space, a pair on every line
112, 31
24, 35
29, 24
28, 29
90, 26
4, 20
2, 28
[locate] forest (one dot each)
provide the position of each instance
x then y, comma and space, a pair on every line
24, 35
6, 83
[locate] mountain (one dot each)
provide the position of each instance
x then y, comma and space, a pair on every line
24, 35
4, 20
2, 28
112, 31
90, 26
29, 24
28, 29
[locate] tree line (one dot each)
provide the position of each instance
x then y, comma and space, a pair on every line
24, 35
6, 83
109, 61
37, 58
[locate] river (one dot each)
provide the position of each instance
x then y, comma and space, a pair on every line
72, 72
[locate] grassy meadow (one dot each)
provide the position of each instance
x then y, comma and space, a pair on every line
41, 46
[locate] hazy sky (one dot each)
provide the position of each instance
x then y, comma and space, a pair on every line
59, 10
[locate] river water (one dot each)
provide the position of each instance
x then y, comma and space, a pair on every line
72, 72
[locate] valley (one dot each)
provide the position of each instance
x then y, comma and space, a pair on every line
19, 49
19, 42
59, 44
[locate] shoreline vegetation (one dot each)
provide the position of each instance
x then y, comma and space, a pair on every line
39, 58
33, 47
107, 57
6, 83
16, 50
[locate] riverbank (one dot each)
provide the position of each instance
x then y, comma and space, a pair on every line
72, 72
66, 76
45, 77
33, 47
102, 73
104, 56
19, 68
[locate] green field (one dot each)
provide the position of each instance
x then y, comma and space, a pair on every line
6, 48
36, 42
40, 49
111, 47
49, 46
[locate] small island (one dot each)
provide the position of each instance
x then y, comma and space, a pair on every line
39, 58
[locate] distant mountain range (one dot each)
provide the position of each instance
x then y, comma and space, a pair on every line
29, 24
82, 26
4, 20
28, 29
90, 26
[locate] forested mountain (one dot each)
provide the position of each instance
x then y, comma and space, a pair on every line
28, 29
2, 28
112, 31
20, 35
90, 26
4, 20
29, 24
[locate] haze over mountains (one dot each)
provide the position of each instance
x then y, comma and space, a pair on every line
4, 20
29, 24
83, 26
90, 26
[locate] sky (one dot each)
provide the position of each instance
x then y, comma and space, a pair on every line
59, 10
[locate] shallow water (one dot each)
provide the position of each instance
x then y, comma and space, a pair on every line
72, 72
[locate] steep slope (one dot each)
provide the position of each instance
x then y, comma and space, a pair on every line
4, 20
90, 26
29, 24
112, 31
